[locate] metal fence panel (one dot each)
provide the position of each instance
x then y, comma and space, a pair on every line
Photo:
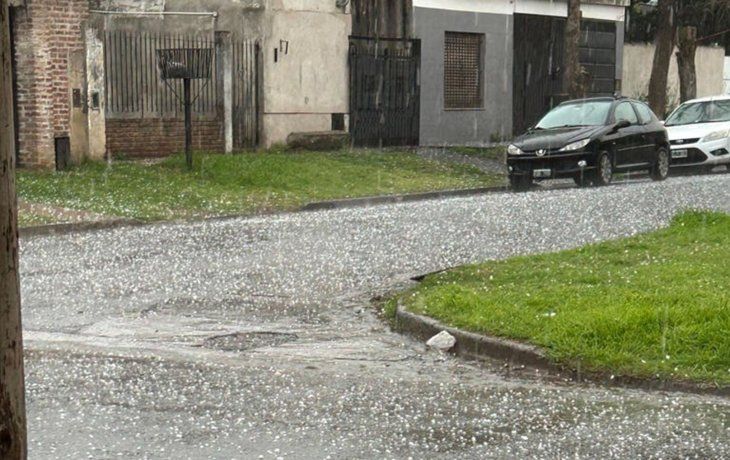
134, 87
132, 76
384, 91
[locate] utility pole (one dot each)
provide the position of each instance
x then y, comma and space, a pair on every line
13, 435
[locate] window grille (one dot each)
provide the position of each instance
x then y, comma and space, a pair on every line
463, 71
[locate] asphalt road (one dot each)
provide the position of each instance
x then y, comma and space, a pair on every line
254, 338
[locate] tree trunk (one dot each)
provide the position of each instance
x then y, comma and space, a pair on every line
573, 81
13, 442
687, 44
664, 44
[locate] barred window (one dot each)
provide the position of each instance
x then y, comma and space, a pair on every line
463, 71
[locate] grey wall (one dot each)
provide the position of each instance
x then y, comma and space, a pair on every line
243, 18
465, 127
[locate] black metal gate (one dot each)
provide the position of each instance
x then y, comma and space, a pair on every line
538, 59
384, 91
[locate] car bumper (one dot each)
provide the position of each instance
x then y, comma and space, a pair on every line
559, 164
702, 154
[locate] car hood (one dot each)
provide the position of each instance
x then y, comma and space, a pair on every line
556, 138
695, 130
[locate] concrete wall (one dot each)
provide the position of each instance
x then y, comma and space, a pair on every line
637, 72
243, 18
305, 66
473, 126
727, 75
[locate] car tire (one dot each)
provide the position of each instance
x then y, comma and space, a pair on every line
660, 168
603, 174
520, 182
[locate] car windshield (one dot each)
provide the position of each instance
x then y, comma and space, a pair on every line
700, 112
586, 113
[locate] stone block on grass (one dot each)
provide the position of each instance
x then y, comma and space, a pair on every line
318, 141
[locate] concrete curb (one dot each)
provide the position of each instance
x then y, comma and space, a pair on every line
74, 227
481, 347
71, 227
384, 199
474, 346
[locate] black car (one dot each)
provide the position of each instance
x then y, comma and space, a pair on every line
589, 140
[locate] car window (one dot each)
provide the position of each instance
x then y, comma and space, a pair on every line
645, 113
582, 113
624, 111
700, 112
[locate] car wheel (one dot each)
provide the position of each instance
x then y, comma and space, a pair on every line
603, 174
519, 182
660, 170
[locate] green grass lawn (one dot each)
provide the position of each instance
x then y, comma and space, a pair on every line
652, 305
492, 153
244, 183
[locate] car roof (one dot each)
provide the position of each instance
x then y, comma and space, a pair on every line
720, 97
602, 98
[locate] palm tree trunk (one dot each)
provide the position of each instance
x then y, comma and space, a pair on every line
664, 44
13, 442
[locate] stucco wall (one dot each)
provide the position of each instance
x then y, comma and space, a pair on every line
306, 78
637, 72
243, 18
465, 127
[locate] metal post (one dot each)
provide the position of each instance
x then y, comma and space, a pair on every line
188, 124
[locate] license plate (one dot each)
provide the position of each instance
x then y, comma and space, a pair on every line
541, 173
679, 153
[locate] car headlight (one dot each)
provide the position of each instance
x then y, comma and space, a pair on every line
575, 145
514, 150
716, 135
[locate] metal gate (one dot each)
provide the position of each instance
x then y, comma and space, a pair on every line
538, 59
135, 91
246, 56
384, 91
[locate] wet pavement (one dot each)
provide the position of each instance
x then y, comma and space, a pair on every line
255, 338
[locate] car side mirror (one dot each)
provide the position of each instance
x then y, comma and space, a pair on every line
621, 124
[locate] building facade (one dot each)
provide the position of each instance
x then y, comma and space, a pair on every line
491, 68
87, 83
416, 72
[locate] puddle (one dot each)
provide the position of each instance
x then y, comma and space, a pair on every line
243, 341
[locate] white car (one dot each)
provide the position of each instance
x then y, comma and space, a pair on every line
699, 133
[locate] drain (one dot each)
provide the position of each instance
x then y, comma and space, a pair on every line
242, 341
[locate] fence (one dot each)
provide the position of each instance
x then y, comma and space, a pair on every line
384, 91
144, 113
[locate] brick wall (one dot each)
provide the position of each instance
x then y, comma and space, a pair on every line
138, 137
46, 32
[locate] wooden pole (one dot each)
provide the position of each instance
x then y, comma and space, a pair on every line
13, 436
